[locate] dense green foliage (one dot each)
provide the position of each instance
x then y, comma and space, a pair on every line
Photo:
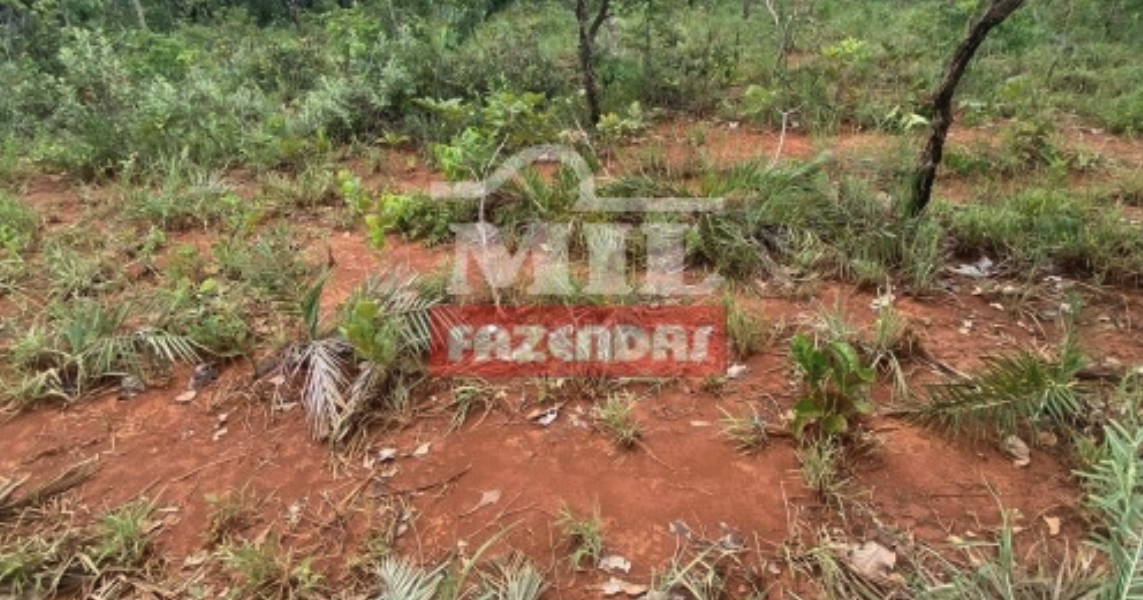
265, 83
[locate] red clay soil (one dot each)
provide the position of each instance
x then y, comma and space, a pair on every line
684, 470
917, 481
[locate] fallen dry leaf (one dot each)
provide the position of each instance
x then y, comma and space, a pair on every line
422, 450
1018, 450
196, 559
186, 397
386, 454
872, 560
488, 498
614, 587
1053, 525
615, 562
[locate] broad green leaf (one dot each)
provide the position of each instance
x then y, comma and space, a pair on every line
845, 356
807, 409
835, 424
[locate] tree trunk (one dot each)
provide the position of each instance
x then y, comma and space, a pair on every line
139, 15
588, 31
931, 156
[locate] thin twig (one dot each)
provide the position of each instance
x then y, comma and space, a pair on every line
424, 488
194, 472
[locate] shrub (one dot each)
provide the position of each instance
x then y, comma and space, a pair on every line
835, 384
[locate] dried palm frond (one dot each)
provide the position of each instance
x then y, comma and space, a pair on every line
73, 477
324, 364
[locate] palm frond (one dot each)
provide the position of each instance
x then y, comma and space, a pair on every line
311, 306
325, 377
365, 385
1011, 389
403, 580
401, 301
1115, 492
515, 579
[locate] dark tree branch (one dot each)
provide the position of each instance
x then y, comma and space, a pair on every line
931, 156
600, 19
587, 35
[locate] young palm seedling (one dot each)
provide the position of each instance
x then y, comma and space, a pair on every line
83, 345
384, 331
1115, 494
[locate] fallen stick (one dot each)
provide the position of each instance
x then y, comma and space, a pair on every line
194, 472
424, 488
71, 478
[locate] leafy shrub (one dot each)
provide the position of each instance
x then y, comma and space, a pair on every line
18, 227
477, 133
835, 384
416, 216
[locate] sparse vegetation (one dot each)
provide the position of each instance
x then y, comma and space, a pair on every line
822, 462
585, 535
66, 558
83, 345
745, 330
616, 418
266, 571
748, 432
237, 186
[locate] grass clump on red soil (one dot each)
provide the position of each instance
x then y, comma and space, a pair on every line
616, 417
584, 534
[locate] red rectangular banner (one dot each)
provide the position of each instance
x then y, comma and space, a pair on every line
578, 341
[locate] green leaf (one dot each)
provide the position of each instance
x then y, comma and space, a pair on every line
808, 410
311, 306
864, 406
845, 357
809, 359
835, 424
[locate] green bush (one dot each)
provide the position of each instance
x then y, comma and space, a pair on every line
18, 227
1050, 230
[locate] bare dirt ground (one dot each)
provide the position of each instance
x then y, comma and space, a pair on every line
326, 505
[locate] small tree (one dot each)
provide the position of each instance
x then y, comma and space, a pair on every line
589, 22
931, 156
